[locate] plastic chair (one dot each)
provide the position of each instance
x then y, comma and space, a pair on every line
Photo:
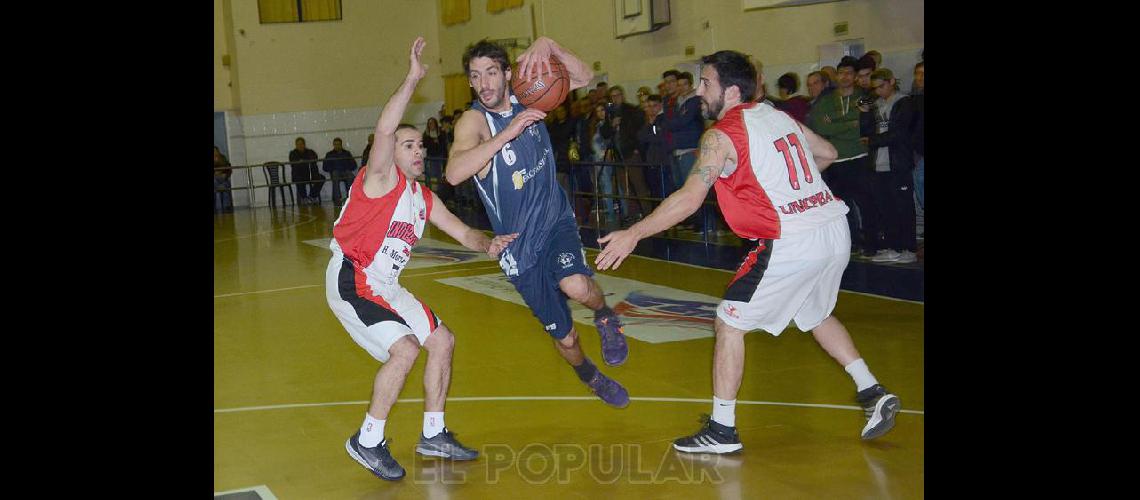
274, 180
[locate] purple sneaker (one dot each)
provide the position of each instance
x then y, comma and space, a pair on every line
614, 348
609, 390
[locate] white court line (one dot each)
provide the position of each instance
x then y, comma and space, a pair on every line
686, 264
552, 398
315, 217
481, 268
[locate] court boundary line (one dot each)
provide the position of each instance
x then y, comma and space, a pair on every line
261, 490
550, 398
315, 217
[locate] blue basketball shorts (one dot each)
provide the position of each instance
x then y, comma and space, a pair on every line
562, 256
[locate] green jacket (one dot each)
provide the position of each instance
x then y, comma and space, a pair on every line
843, 131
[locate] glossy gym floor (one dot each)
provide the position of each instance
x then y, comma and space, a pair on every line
290, 385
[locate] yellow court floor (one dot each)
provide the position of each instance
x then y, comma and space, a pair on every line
290, 385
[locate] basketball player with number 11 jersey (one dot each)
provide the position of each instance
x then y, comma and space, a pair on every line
766, 169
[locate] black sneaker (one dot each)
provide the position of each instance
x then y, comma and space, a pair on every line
378, 460
880, 408
712, 438
445, 445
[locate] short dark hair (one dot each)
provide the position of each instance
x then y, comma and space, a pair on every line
920, 64
733, 68
789, 82
848, 61
865, 62
403, 126
337, 139
485, 48
654, 97
686, 76
673, 73
822, 76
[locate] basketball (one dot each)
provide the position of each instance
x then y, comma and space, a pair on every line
542, 91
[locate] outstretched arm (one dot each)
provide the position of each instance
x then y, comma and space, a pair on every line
536, 59
467, 236
381, 156
716, 154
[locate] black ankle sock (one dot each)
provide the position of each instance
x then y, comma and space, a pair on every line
603, 312
586, 370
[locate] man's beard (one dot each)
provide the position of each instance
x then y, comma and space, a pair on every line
712, 113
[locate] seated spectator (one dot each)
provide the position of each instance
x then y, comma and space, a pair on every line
223, 198
304, 170
341, 168
796, 106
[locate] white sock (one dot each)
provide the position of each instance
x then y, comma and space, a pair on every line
371, 431
862, 375
433, 423
724, 411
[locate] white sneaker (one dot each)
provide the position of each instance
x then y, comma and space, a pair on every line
887, 255
906, 257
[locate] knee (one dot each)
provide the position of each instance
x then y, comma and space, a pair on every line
569, 341
576, 287
404, 350
441, 340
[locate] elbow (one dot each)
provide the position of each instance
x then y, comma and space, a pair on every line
451, 178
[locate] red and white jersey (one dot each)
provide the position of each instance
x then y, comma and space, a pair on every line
377, 234
775, 189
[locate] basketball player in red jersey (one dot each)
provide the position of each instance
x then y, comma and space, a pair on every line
766, 169
372, 240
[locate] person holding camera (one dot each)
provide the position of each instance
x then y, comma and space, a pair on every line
835, 117
891, 120
622, 123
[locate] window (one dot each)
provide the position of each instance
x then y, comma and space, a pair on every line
298, 11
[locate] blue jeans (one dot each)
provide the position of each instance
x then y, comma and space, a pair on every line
222, 199
605, 175
682, 165
920, 180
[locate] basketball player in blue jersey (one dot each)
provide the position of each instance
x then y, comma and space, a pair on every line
506, 148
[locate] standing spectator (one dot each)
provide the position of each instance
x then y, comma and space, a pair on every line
684, 133
621, 129
642, 96
446, 125
367, 149
601, 151
341, 167
223, 198
435, 141
863, 69
304, 163
918, 136
561, 129
831, 72
795, 105
651, 140
893, 114
876, 56
818, 84
835, 117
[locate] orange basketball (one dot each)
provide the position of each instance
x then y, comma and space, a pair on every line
542, 91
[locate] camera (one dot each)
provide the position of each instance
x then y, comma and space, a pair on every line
865, 101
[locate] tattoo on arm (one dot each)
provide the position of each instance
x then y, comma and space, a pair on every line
711, 158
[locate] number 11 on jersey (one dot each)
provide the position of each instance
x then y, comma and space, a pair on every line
782, 146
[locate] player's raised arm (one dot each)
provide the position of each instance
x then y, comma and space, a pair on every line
536, 60
381, 156
716, 154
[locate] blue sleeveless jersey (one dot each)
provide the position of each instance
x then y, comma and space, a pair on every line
521, 192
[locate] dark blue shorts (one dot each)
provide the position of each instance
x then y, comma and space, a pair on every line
562, 256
